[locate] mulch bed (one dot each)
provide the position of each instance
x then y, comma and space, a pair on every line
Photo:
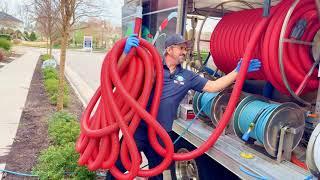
8, 60
32, 135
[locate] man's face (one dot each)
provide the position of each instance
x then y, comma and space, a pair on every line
178, 53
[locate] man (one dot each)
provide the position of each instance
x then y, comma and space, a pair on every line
177, 83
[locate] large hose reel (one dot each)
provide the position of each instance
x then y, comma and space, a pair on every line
285, 48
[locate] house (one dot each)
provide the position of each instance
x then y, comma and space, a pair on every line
9, 22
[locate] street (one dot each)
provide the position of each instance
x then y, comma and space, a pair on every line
86, 65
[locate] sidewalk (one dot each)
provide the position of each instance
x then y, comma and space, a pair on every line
15, 79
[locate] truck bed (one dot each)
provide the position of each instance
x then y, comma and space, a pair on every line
227, 151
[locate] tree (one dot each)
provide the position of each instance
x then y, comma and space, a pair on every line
33, 36
71, 11
4, 7
45, 12
24, 13
78, 37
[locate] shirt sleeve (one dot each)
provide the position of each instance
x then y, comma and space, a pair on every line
197, 82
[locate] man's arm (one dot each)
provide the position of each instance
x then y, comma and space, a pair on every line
221, 83
227, 80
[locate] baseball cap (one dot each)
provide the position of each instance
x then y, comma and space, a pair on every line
176, 39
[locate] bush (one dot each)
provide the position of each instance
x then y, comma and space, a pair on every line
50, 73
45, 57
33, 36
63, 128
56, 46
60, 162
51, 83
5, 44
51, 86
6, 37
54, 99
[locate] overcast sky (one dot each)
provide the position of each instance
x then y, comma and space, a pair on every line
112, 12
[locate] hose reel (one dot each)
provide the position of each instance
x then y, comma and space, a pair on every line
215, 108
276, 126
279, 52
313, 152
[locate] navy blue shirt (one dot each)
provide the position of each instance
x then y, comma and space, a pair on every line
175, 87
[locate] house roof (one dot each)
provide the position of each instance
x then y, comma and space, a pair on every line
5, 16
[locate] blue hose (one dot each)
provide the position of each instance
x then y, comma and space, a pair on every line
31, 175
254, 117
17, 173
206, 99
251, 174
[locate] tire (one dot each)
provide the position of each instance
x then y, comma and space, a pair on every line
201, 168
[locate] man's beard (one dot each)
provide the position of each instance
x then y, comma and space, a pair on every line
181, 59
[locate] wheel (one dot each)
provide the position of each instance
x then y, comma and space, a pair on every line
186, 170
201, 168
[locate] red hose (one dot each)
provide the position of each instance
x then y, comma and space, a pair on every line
120, 104
231, 36
297, 162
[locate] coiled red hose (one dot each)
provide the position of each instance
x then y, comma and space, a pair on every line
120, 103
232, 34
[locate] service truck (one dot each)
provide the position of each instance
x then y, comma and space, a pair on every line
293, 128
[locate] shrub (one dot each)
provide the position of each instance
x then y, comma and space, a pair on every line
33, 36
5, 36
51, 86
63, 128
51, 83
5, 44
56, 46
60, 162
54, 99
64, 116
45, 57
50, 73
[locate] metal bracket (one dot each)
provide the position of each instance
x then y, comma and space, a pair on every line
294, 41
286, 142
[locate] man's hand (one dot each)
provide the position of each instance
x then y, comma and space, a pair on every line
254, 65
132, 41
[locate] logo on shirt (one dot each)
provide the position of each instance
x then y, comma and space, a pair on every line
179, 80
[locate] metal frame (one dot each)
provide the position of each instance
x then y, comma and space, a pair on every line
282, 40
181, 17
227, 151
